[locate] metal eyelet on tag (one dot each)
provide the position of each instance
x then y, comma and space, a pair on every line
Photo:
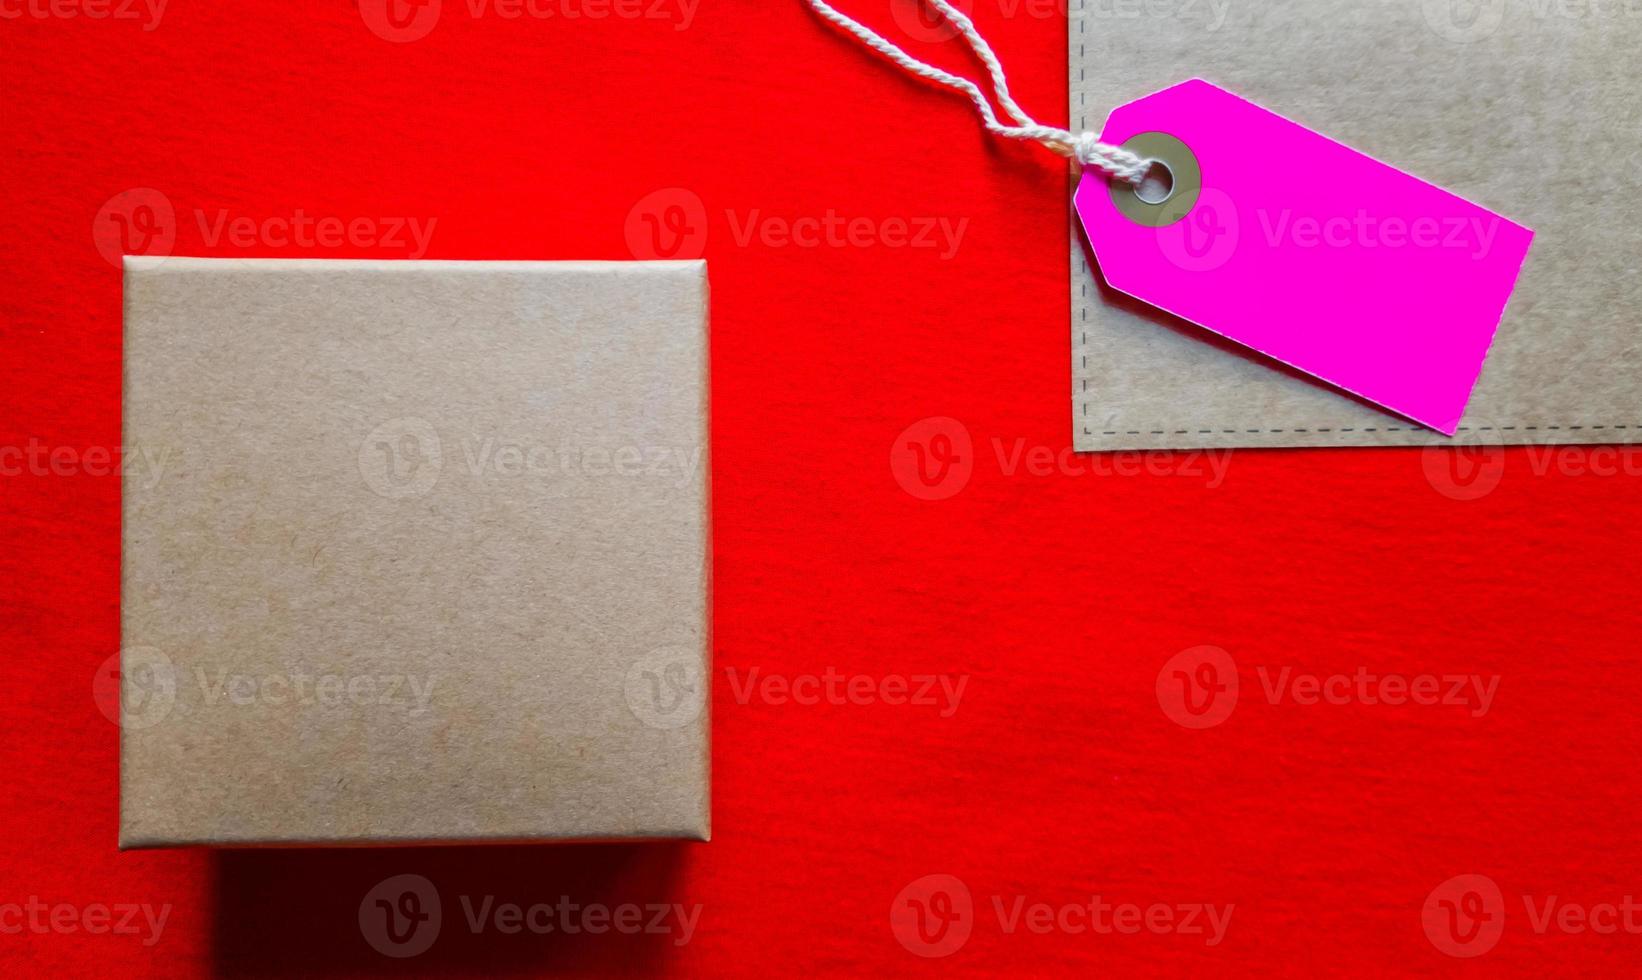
1187, 176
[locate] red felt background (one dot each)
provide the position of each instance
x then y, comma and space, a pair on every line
1058, 596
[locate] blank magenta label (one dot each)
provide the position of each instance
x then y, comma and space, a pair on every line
1306, 250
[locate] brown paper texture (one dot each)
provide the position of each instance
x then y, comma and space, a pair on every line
1527, 107
426, 555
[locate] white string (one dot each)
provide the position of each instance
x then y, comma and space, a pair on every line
1085, 148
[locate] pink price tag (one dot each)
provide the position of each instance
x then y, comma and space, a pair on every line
1305, 250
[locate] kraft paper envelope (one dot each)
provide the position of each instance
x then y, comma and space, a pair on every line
1529, 108
421, 555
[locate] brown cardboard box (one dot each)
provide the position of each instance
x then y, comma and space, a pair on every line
424, 557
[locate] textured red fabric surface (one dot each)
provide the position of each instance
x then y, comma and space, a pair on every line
1054, 588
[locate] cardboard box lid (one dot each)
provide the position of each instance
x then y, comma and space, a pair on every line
421, 554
